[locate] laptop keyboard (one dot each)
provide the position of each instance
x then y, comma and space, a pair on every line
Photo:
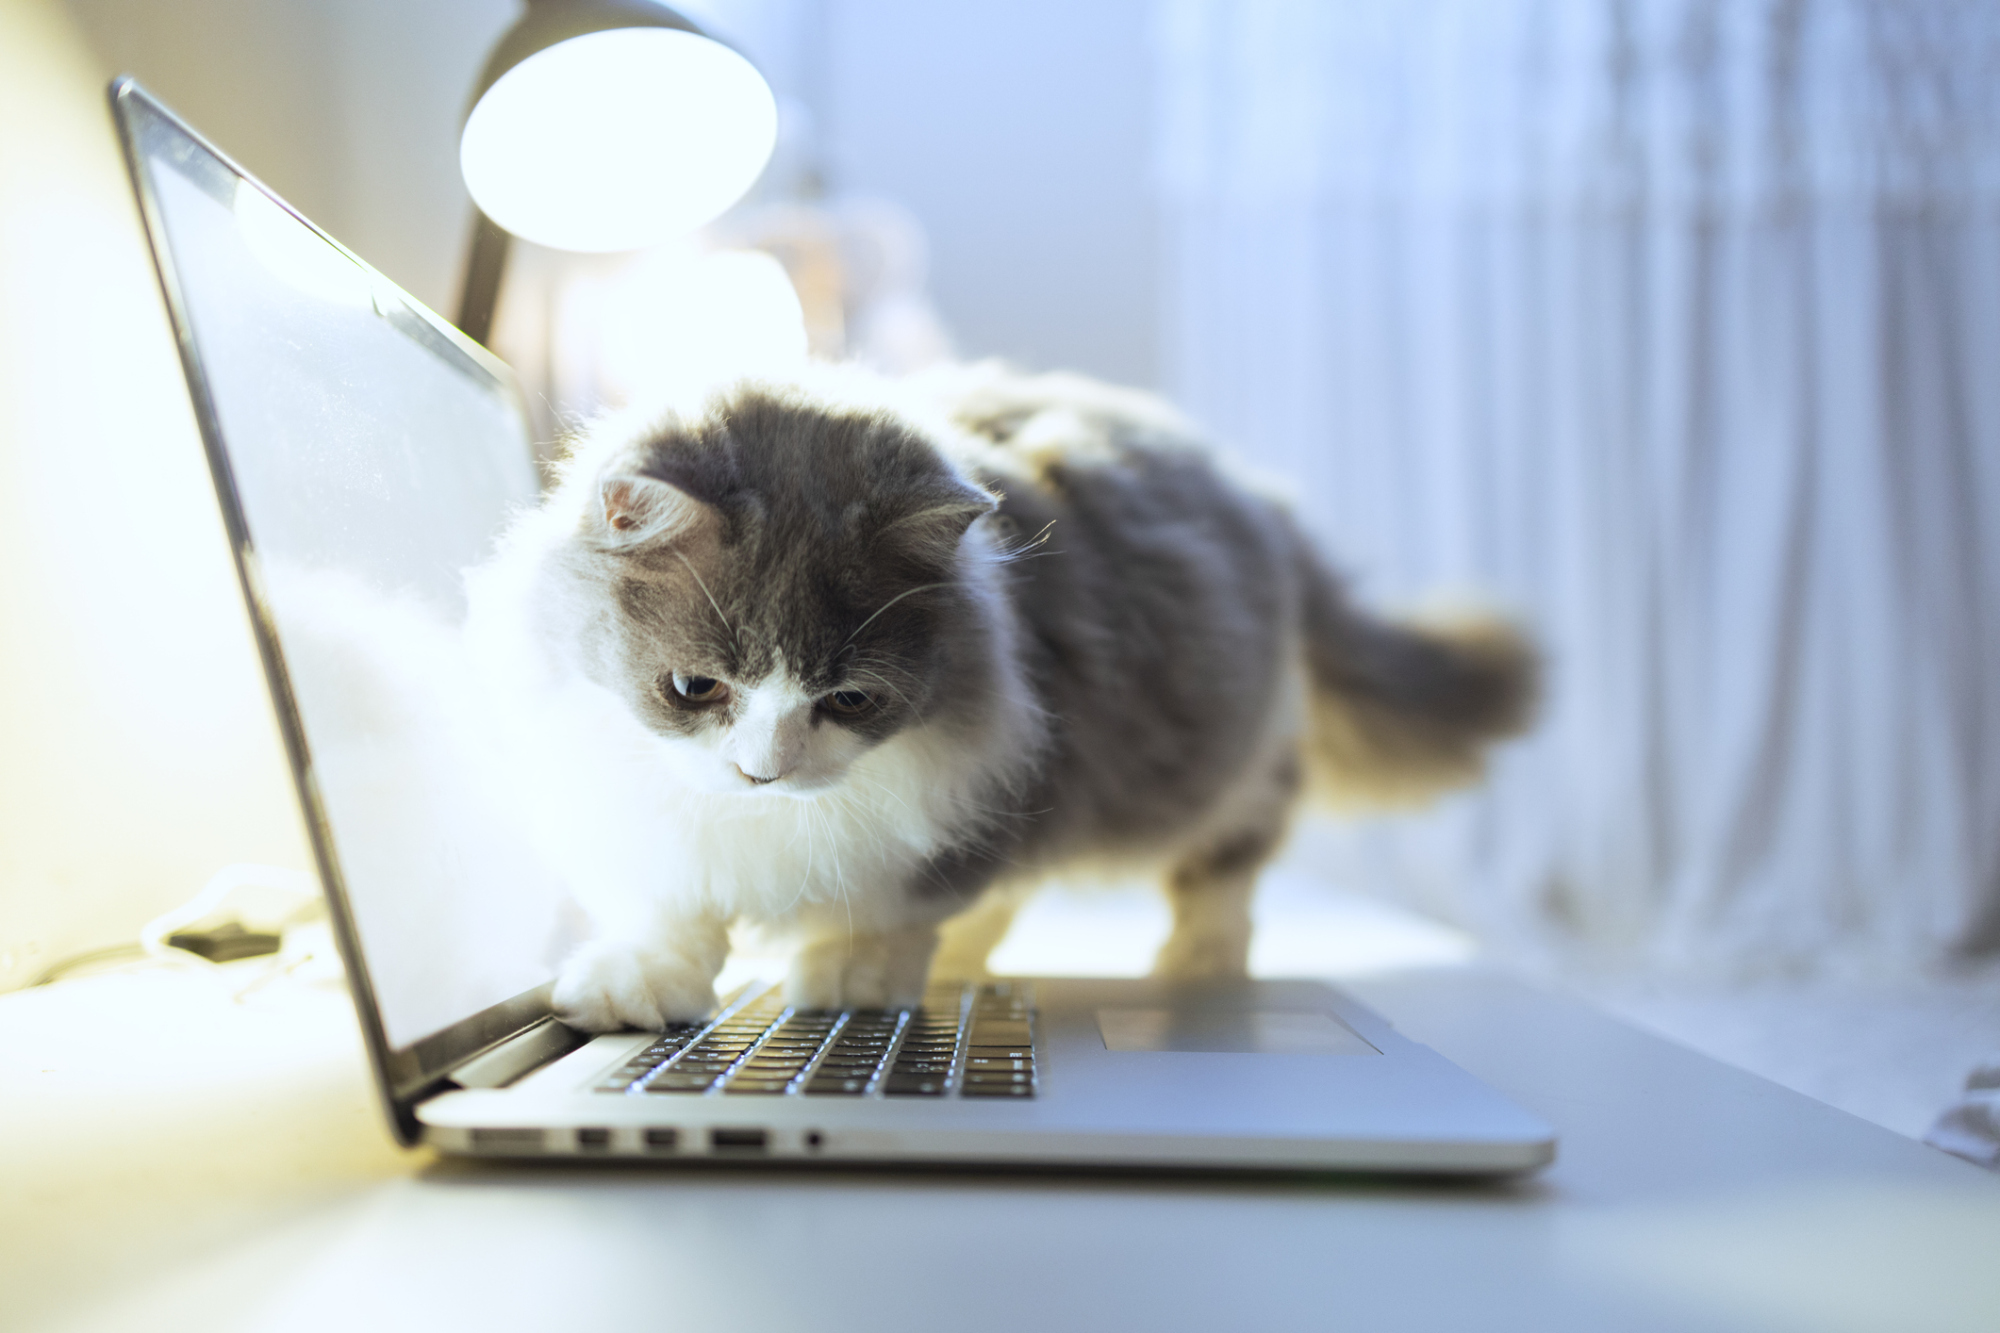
974, 1041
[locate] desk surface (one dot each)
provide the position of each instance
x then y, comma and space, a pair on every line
178, 1160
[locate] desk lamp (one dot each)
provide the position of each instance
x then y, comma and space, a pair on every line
601, 125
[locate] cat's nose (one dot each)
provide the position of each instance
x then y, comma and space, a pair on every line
752, 777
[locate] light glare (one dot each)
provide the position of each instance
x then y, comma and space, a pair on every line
289, 249
618, 140
679, 320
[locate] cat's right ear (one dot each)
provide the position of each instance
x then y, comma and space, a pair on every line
633, 509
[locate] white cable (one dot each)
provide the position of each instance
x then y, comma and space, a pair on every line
228, 880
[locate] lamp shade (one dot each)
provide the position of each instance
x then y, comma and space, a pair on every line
616, 137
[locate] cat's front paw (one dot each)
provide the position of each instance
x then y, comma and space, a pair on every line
611, 984
864, 972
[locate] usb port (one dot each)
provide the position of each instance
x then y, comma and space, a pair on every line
663, 1140
738, 1140
593, 1140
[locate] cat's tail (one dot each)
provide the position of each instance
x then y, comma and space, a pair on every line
1403, 710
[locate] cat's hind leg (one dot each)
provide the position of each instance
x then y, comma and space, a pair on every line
885, 970
967, 940
1210, 887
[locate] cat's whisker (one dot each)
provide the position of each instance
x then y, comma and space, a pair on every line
711, 599
840, 886
839, 870
880, 786
1008, 555
907, 592
812, 858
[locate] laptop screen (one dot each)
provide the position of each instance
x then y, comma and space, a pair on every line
371, 456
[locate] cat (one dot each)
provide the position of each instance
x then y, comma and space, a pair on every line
851, 658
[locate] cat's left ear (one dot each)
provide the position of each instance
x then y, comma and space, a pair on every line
633, 509
937, 519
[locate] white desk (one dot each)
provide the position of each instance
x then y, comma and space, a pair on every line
241, 1181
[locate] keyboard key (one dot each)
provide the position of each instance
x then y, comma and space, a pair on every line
978, 1062
998, 1090
909, 1085
993, 1080
836, 1087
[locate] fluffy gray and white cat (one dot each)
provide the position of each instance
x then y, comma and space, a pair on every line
852, 658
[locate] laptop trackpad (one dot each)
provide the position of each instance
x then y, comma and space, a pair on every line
1254, 1031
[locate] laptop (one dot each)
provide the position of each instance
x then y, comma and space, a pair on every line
365, 454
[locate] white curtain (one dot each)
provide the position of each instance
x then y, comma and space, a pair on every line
1675, 326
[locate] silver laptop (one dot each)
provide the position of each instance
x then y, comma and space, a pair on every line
365, 454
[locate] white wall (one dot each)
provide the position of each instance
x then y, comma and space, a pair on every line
137, 750
1019, 133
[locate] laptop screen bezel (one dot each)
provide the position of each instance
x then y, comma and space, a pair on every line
406, 1075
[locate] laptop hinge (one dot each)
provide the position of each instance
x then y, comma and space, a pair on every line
497, 1066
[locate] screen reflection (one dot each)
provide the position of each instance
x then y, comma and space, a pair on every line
374, 461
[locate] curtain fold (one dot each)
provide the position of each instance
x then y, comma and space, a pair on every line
1673, 325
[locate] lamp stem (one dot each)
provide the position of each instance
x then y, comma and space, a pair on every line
485, 268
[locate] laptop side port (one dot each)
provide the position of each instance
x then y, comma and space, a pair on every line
738, 1140
662, 1140
593, 1140
507, 1140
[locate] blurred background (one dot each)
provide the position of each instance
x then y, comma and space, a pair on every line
1670, 326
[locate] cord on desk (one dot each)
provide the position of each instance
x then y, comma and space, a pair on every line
168, 939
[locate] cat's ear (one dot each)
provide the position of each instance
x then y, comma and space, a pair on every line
933, 526
633, 509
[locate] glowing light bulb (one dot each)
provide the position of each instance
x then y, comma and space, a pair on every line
618, 140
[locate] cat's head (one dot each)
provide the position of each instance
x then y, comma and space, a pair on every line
776, 586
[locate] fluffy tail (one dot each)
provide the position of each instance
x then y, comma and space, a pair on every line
1402, 711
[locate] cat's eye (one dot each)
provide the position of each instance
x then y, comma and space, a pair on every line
696, 689
848, 703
